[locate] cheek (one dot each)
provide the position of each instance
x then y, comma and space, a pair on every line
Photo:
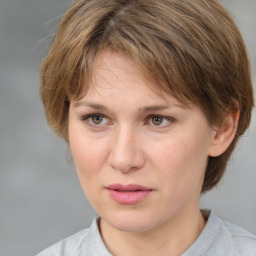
183, 161
179, 152
89, 155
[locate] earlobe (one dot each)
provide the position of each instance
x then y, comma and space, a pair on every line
225, 133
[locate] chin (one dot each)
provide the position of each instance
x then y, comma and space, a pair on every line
130, 222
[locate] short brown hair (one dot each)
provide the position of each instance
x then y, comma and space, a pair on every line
191, 48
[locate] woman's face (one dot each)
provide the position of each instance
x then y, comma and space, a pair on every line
140, 158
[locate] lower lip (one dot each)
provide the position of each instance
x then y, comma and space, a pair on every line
133, 197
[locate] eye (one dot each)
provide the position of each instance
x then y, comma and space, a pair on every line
160, 121
95, 119
157, 120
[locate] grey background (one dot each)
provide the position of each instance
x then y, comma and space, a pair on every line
41, 200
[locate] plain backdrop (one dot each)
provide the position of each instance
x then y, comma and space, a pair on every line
41, 200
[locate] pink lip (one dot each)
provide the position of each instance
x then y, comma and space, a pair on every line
128, 194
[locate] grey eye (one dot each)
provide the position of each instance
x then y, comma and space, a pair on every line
97, 119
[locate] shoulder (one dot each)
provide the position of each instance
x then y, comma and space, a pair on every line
68, 245
243, 241
85, 242
220, 238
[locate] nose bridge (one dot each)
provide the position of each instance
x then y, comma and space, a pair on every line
126, 152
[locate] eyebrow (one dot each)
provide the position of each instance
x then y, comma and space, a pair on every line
91, 105
142, 110
154, 108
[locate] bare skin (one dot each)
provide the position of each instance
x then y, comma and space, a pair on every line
121, 132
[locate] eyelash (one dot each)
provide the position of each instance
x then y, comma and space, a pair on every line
169, 119
148, 118
90, 123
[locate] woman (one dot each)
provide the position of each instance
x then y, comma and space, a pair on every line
152, 97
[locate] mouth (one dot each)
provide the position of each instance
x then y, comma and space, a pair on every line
128, 194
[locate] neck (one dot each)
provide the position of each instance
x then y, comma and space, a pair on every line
170, 238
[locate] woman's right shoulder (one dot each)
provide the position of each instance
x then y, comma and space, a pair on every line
68, 246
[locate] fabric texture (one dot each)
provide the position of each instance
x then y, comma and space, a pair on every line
218, 238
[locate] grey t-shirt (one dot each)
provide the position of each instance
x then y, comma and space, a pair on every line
218, 238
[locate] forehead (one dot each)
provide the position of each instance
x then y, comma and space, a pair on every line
117, 67
118, 83
116, 71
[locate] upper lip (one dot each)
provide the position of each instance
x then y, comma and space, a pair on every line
130, 187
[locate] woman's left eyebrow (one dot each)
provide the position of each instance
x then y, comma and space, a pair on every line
158, 107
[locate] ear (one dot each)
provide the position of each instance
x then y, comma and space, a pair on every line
225, 133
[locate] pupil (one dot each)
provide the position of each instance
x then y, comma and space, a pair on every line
97, 119
157, 120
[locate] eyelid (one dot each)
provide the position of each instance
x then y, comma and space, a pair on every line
168, 118
85, 118
162, 116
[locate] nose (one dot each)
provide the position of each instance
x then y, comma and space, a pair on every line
126, 153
